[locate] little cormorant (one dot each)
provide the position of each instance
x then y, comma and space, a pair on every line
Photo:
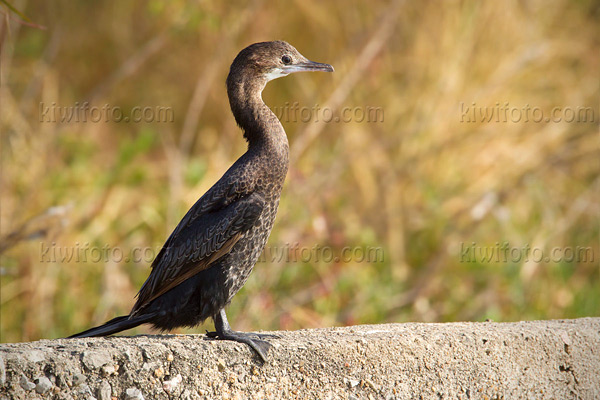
212, 251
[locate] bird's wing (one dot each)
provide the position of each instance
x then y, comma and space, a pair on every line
204, 235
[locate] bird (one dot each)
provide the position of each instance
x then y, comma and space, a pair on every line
210, 254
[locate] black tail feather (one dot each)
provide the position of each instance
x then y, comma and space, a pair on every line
113, 326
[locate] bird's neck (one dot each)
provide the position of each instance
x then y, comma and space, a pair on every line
262, 129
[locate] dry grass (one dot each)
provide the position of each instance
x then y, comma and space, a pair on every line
418, 185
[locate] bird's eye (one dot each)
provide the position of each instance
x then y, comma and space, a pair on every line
286, 59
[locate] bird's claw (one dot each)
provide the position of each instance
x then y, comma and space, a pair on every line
212, 334
265, 335
261, 347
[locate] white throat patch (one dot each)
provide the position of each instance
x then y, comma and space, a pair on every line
276, 73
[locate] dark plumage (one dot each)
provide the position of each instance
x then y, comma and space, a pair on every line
210, 254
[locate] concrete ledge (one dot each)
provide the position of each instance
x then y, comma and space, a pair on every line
538, 359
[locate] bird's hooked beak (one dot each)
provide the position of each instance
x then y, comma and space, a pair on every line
307, 66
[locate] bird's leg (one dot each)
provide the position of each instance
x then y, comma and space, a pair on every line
224, 332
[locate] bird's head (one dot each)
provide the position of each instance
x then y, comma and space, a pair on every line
266, 61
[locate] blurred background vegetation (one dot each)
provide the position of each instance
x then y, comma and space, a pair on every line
421, 183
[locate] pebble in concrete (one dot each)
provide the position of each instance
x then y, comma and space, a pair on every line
95, 359
169, 386
26, 384
43, 384
133, 394
104, 391
84, 390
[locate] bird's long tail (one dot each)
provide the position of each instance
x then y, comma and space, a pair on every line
114, 325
